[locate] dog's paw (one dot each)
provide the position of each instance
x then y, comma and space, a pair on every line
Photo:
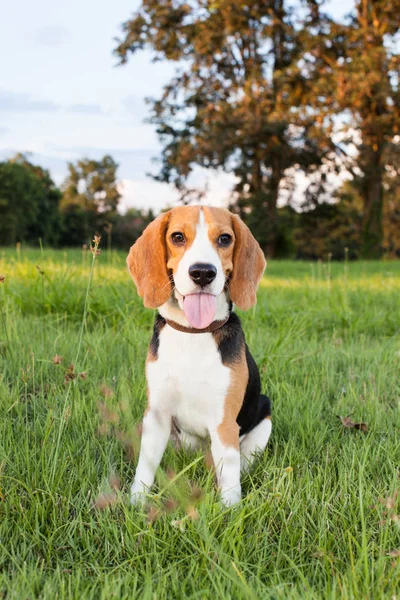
138, 494
231, 496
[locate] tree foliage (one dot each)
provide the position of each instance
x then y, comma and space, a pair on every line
237, 100
33, 209
29, 203
91, 185
358, 63
391, 209
331, 229
127, 228
369, 87
90, 199
260, 88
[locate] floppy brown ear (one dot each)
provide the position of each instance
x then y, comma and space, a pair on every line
147, 263
248, 266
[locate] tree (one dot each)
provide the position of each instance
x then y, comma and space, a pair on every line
77, 226
92, 185
47, 225
127, 228
358, 64
90, 199
349, 197
237, 100
28, 203
331, 228
391, 208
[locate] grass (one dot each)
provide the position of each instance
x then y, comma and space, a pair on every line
319, 514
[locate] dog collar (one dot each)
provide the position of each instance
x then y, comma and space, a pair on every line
212, 327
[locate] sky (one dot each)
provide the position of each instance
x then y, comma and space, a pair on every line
63, 97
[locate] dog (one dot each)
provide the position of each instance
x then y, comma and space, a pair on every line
193, 263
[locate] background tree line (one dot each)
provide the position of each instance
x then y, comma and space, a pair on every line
34, 210
263, 89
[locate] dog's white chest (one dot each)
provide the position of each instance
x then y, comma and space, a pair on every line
189, 380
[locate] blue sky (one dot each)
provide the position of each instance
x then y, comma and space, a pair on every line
62, 96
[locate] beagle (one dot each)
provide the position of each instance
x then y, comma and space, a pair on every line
193, 263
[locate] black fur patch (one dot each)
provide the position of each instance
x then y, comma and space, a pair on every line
159, 323
230, 340
256, 406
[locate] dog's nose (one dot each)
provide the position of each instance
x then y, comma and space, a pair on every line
202, 273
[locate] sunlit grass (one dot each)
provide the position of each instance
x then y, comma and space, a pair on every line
319, 516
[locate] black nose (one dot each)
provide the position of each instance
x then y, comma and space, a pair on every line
202, 273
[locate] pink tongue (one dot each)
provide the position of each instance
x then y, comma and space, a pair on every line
200, 309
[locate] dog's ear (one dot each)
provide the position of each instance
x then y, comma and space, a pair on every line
248, 266
147, 263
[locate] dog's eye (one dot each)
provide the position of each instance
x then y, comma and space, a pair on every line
224, 240
178, 238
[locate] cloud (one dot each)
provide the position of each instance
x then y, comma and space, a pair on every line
147, 193
133, 163
101, 150
22, 102
136, 107
57, 166
16, 102
52, 35
87, 109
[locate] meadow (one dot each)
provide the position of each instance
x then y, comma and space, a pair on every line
319, 517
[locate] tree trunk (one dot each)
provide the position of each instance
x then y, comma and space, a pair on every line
264, 199
372, 230
272, 209
272, 216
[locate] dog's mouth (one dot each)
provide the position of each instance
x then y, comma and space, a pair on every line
200, 309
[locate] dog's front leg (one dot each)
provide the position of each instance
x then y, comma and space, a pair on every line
155, 436
226, 457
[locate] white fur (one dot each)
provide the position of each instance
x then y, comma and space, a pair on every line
227, 465
188, 382
253, 442
188, 441
191, 380
155, 435
201, 251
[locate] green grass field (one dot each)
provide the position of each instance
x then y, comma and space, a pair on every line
319, 513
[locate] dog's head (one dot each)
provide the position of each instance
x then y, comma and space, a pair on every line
195, 254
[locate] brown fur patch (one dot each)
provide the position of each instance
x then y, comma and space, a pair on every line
248, 266
228, 430
219, 221
153, 283
151, 356
183, 219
